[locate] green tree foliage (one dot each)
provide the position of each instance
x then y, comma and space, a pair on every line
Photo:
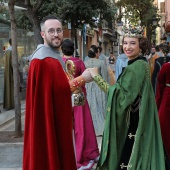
136, 10
30, 19
78, 12
87, 11
74, 11
4, 14
143, 10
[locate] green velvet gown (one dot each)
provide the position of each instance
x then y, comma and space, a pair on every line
132, 138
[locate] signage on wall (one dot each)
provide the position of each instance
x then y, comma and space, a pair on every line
69, 25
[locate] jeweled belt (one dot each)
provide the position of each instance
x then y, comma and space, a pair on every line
168, 85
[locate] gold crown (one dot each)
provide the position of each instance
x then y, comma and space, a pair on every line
133, 31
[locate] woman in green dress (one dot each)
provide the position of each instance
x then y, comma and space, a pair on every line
132, 138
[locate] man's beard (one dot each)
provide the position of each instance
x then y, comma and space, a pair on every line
53, 45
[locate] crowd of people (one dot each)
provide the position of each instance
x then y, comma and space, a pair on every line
70, 102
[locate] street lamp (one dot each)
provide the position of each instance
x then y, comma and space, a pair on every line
154, 24
154, 21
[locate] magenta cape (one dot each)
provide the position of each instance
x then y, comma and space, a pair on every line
48, 143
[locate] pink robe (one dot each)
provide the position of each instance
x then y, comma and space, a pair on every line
86, 143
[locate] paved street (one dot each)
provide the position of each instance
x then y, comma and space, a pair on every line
11, 153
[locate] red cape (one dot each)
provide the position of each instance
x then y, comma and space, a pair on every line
163, 104
48, 143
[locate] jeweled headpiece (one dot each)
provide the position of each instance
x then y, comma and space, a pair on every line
133, 31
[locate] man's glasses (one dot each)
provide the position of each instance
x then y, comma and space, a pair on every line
52, 31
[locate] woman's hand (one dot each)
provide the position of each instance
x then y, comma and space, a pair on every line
94, 71
112, 76
87, 76
110, 71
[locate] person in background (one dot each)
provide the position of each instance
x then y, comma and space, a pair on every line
87, 152
25, 74
28, 57
168, 53
101, 55
152, 52
163, 104
160, 53
157, 54
87, 57
48, 142
95, 97
8, 101
104, 59
158, 64
111, 61
132, 136
163, 39
121, 63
